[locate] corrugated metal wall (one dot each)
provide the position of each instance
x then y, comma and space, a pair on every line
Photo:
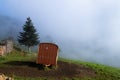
47, 54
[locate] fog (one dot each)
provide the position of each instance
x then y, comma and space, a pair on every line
8, 27
87, 30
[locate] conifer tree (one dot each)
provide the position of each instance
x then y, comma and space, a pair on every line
28, 37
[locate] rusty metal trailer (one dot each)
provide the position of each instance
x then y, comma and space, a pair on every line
47, 54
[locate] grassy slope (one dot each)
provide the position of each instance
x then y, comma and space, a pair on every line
103, 72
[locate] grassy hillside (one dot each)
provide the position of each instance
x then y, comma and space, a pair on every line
23, 67
103, 72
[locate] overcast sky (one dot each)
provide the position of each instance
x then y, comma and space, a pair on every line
84, 29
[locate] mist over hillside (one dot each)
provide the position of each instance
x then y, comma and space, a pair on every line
9, 27
88, 50
83, 29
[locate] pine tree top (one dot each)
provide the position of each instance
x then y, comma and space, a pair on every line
29, 36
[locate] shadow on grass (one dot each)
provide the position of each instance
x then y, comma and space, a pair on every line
25, 63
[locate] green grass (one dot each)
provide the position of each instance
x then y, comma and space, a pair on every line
103, 72
16, 56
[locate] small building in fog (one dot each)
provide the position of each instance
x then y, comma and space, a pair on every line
6, 46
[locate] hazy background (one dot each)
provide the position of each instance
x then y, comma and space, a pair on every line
86, 30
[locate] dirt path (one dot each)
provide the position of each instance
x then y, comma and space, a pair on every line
31, 69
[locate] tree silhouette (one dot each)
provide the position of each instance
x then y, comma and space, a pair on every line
28, 37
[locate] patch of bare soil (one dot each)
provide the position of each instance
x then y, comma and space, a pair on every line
31, 69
